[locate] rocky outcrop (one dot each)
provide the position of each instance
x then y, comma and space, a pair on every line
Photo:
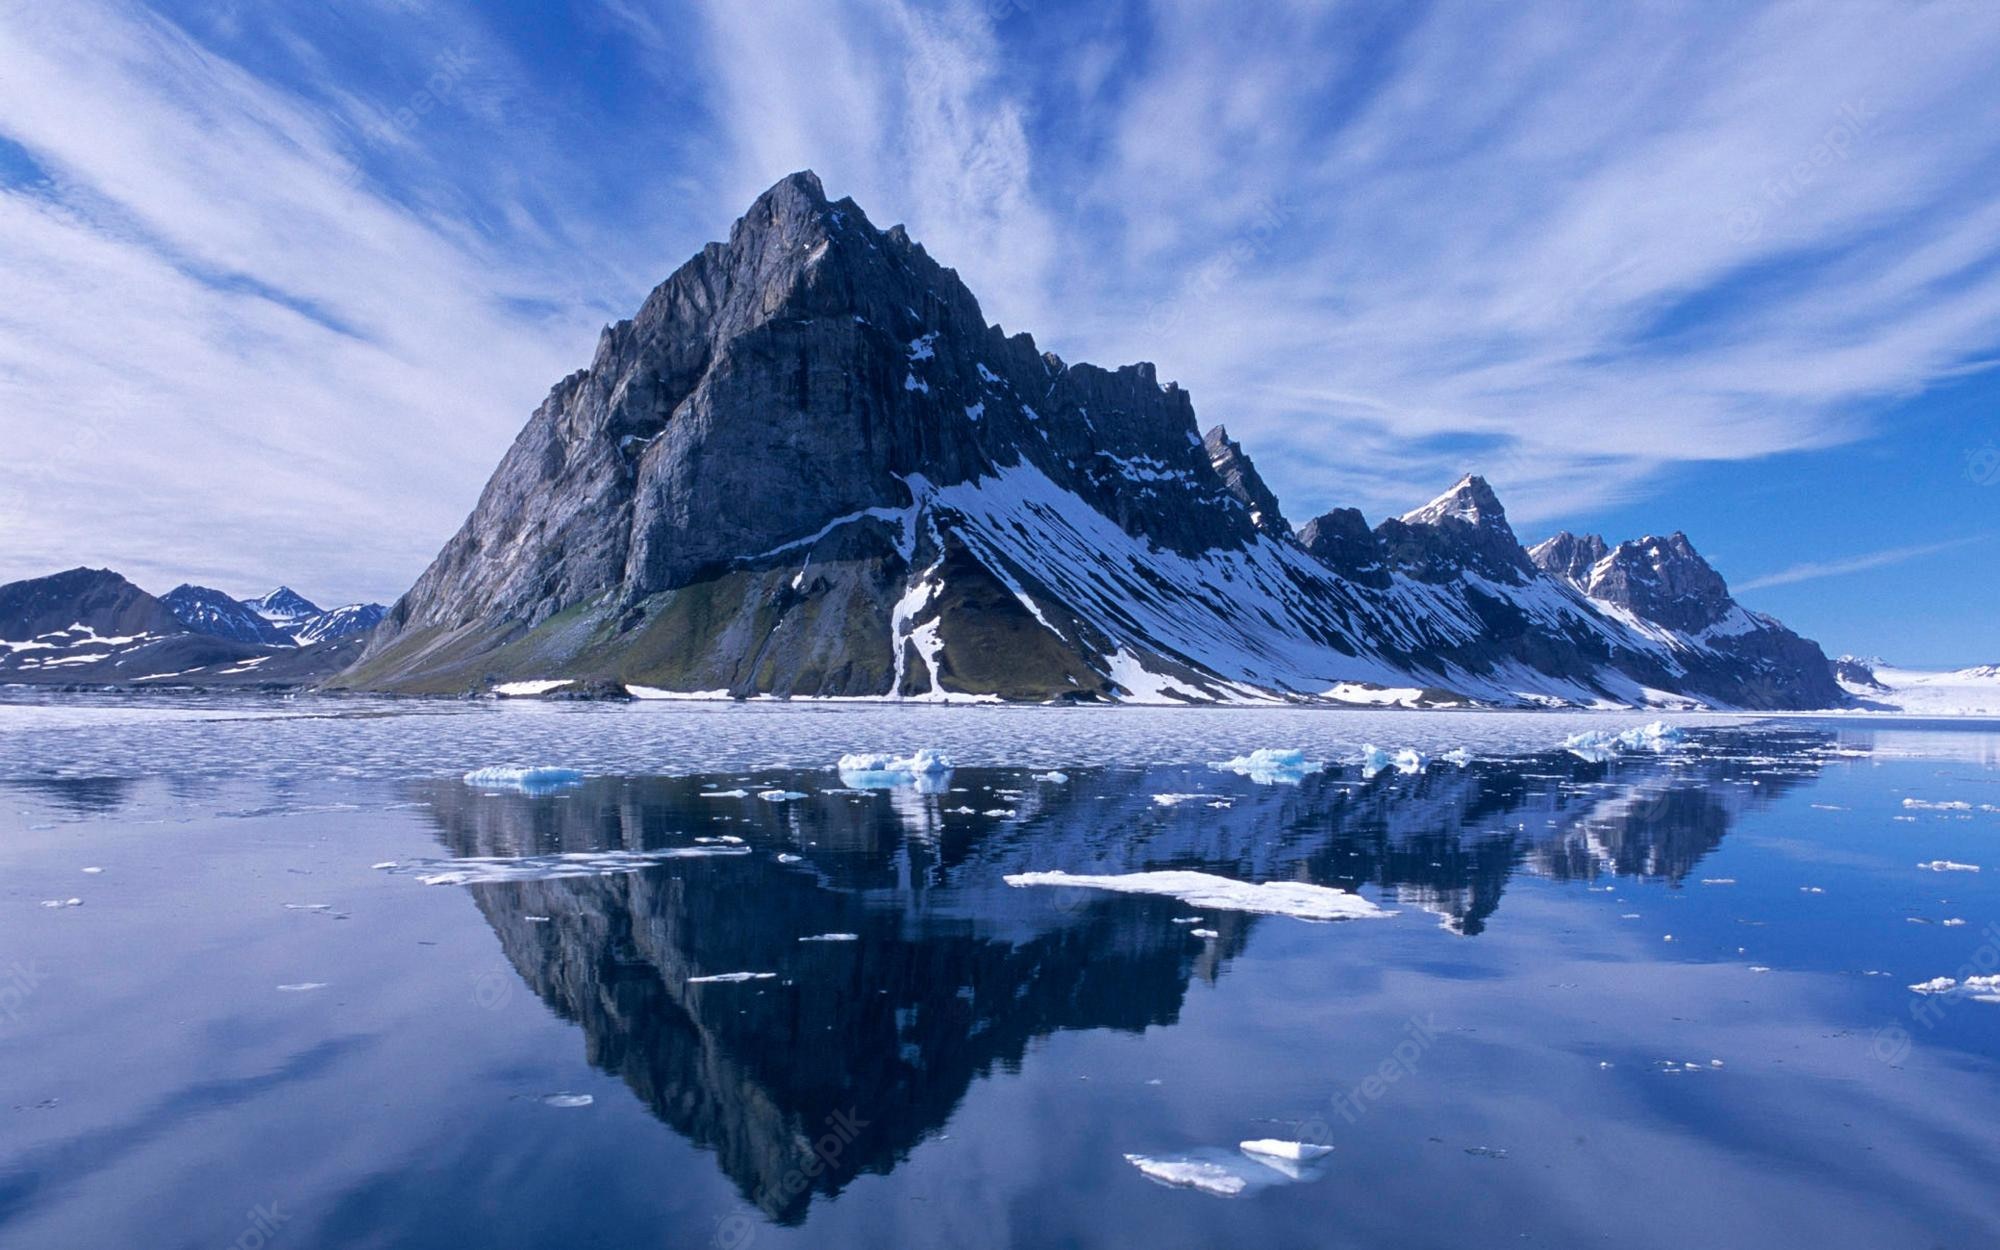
809, 467
1240, 479
1569, 556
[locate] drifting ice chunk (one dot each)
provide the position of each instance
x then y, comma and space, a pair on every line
1054, 779
1374, 759
301, 987
568, 1100
1184, 1173
1597, 746
725, 794
731, 978
786, 857
1946, 865
780, 796
62, 902
1201, 889
925, 769
1296, 1151
1459, 756
518, 778
832, 937
1271, 766
1978, 989
1925, 805
1203, 933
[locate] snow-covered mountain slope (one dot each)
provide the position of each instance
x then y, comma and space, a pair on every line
1876, 686
809, 467
284, 607
341, 622
208, 611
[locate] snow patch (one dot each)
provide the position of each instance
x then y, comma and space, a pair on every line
1205, 890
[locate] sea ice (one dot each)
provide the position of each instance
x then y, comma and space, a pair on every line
730, 978
1200, 889
1296, 1151
1203, 933
1949, 805
1947, 865
1597, 745
832, 937
1271, 766
1374, 759
62, 902
726, 794
540, 777
1053, 778
477, 870
1223, 1179
1978, 989
780, 796
568, 1100
300, 987
927, 770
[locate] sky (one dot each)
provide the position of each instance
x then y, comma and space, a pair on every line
283, 278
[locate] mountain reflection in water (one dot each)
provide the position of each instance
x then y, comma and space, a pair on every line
857, 1050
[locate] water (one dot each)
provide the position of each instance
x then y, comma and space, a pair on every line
249, 1033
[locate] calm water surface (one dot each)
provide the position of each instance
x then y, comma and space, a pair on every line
1661, 1000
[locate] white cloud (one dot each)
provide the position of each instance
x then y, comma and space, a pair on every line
1814, 570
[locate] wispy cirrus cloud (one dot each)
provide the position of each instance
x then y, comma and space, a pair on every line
261, 324
1814, 570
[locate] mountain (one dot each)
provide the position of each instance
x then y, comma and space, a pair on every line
284, 607
207, 611
342, 622
808, 466
92, 627
1880, 687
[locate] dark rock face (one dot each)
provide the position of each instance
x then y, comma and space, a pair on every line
1569, 556
808, 466
1663, 580
284, 607
1240, 479
98, 600
1854, 671
1342, 541
208, 611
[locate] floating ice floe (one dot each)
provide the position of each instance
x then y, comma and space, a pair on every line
1947, 865
1374, 760
1271, 766
786, 857
568, 1100
93, 871
1200, 889
478, 870
1925, 805
1597, 745
511, 777
1978, 989
1718, 881
1203, 933
929, 771
1457, 755
780, 796
301, 987
1053, 778
730, 978
725, 794
1295, 1151
832, 937
1175, 800
62, 902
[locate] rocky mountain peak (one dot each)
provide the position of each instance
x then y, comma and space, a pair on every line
1342, 541
1664, 580
1240, 478
1569, 556
1463, 530
1469, 500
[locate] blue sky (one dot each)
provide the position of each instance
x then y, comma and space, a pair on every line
286, 278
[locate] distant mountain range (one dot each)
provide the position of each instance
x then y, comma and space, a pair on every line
93, 627
809, 467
